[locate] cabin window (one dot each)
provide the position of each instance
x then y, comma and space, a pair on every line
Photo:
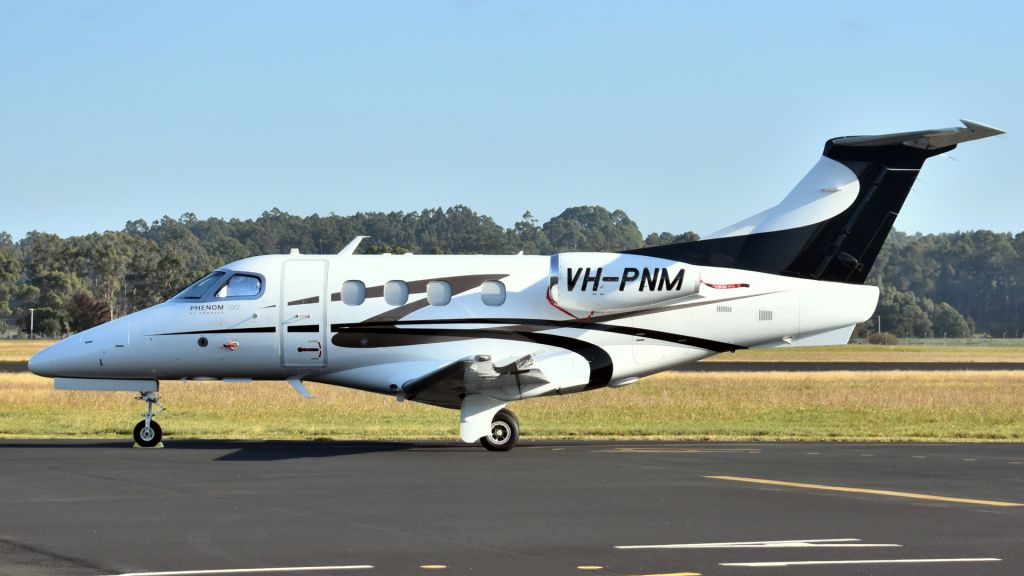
492, 292
396, 293
240, 286
199, 287
353, 292
439, 292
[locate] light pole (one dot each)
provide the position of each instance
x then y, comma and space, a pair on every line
32, 323
879, 324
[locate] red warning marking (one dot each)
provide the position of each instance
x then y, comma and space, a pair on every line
319, 349
232, 345
724, 286
553, 303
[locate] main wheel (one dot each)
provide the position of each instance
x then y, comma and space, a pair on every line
147, 437
504, 432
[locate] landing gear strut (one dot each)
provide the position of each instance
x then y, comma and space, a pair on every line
504, 432
147, 432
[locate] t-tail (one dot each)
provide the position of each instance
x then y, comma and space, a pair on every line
834, 222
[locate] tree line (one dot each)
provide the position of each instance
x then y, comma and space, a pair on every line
948, 285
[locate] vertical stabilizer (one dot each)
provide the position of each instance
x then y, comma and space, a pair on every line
834, 222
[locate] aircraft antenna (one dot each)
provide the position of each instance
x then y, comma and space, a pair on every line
350, 248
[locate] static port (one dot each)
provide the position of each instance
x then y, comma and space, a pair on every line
203, 341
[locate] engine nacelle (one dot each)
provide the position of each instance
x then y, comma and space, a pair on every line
603, 282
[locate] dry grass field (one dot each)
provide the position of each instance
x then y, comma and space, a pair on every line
878, 406
21, 350
872, 353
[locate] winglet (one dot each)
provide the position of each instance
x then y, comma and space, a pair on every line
350, 248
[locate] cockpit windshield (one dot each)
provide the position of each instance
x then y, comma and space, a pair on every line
199, 287
240, 285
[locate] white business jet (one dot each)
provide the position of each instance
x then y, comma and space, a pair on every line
474, 333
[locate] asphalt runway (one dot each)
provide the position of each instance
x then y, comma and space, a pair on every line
377, 508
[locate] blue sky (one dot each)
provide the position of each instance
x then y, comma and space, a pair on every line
687, 115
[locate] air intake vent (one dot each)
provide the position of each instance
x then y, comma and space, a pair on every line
724, 308
764, 315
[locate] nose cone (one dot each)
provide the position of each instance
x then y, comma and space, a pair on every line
41, 363
60, 359
83, 355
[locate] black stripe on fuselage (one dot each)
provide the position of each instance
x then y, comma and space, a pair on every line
517, 324
268, 329
305, 328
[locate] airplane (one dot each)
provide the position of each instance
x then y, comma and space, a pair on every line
474, 333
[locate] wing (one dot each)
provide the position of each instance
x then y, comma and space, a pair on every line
476, 385
447, 386
479, 388
444, 387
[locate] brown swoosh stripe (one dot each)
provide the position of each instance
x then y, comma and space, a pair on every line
310, 300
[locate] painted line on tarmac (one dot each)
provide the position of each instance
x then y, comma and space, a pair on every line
675, 574
594, 568
248, 570
873, 491
657, 450
836, 562
826, 543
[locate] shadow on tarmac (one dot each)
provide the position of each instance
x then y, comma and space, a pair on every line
247, 450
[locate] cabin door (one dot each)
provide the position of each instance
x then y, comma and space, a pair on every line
303, 326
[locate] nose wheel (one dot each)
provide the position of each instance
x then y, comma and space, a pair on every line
504, 432
147, 436
147, 432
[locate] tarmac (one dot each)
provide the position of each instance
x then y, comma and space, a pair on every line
70, 507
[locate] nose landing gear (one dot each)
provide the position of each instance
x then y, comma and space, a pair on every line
147, 432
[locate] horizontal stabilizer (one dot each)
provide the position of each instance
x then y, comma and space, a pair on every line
925, 139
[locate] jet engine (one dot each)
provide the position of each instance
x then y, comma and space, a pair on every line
595, 283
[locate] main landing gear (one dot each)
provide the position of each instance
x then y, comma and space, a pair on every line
147, 432
504, 432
